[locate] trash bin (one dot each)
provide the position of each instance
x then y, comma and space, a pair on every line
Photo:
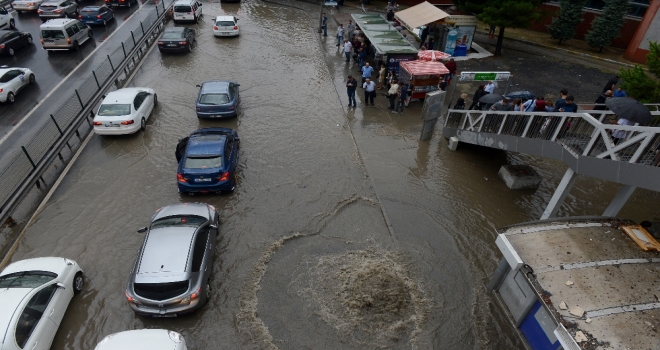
460, 50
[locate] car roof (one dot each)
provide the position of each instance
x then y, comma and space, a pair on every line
56, 23
209, 144
139, 339
198, 209
10, 299
225, 18
174, 29
215, 86
125, 95
91, 8
51, 3
166, 250
52, 264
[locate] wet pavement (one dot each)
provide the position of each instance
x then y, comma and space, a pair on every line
345, 231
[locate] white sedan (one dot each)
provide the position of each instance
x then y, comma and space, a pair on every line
125, 111
226, 26
143, 339
12, 80
34, 295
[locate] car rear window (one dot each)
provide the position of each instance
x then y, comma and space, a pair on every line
214, 99
172, 35
27, 279
182, 8
224, 23
52, 34
203, 163
180, 220
112, 110
160, 291
90, 10
48, 8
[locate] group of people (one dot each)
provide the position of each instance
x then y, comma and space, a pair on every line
565, 103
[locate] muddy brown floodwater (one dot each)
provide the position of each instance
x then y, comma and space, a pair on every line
345, 231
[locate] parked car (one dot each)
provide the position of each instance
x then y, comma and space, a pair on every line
57, 9
34, 295
120, 3
96, 15
176, 39
217, 99
6, 19
26, 5
186, 10
143, 339
226, 26
64, 34
207, 161
11, 40
171, 275
13, 80
125, 111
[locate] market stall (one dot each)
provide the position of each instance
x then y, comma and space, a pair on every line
425, 75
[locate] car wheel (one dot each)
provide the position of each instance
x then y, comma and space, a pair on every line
29, 39
11, 51
78, 283
32, 79
10, 97
143, 124
155, 100
12, 24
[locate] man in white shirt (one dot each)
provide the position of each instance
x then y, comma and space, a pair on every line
392, 94
369, 91
489, 88
347, 49
340, 34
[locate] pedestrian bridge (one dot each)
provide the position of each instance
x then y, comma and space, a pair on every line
581, 140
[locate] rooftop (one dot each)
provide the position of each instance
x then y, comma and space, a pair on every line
384, 36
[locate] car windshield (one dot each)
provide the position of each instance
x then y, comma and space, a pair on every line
224, 23
172, 35
214, 99
112, 110
27, 279
196, 162
182, 220
182, 8
52, 34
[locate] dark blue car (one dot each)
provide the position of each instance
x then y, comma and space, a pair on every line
207, 161
217, 99
96, 15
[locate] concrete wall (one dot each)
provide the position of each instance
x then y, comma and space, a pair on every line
649, 30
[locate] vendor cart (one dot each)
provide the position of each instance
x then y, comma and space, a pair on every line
425, 75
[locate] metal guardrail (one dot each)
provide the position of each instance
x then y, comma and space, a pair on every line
594, 106
27, 164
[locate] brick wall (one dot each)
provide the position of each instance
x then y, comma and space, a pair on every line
548, 11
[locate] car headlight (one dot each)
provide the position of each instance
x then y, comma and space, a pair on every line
176, 337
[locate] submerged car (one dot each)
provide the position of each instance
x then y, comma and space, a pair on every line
100, 15
217, 99
207, 161
11, 40
13, 80
125, 111
143, 339
34, 295
171, 275
176, 39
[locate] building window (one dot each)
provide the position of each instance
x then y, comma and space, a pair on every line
637, 7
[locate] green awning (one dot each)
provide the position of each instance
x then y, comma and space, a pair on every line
382, 35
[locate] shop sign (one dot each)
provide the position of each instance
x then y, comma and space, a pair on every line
484, 76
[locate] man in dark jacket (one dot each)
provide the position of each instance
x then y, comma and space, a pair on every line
601, 100
351, 85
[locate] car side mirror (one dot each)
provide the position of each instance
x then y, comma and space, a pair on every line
142, 230
199, 86
238, 84
213, 227
61, 285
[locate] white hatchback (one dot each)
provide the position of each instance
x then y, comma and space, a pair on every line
143, 339
13, 80
225, 26
125, 111
34, 295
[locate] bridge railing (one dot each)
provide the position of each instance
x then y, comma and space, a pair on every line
593, 134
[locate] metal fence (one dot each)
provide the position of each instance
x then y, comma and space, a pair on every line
23, 162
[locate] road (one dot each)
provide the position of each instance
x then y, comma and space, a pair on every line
344, 232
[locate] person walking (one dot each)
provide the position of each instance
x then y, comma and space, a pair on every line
347, 50
475, 98
340, 34
451, 66
489, 88
350, 30
324, 24
619, 92
568, 105
393, 93
503, 105
390, 80
540, 104
563, 93
619, 135
460, 104
366, 71
381, 77
390, 16
491, 31
611, 84
442, 84
351, 85
424, 35
600, 101
403, 95
369, 91
362, 57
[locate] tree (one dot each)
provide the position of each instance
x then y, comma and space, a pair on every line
570, 15
502, 13
608, 25
640, 85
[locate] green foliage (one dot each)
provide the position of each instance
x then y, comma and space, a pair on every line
640, 85
607, 26
570, 15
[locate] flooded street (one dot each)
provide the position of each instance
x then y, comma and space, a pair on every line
344, 232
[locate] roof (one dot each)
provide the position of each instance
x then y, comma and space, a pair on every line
166, 250
221, 18
613, 280
199, 209
50, 264
215, 86
382, 35
420, 15
56, 23
10, 299
419, 67
90, 8
125, 95
140, 339
174, 29
209, 144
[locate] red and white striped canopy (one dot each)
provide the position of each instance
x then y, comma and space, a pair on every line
419, 67
432, 55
